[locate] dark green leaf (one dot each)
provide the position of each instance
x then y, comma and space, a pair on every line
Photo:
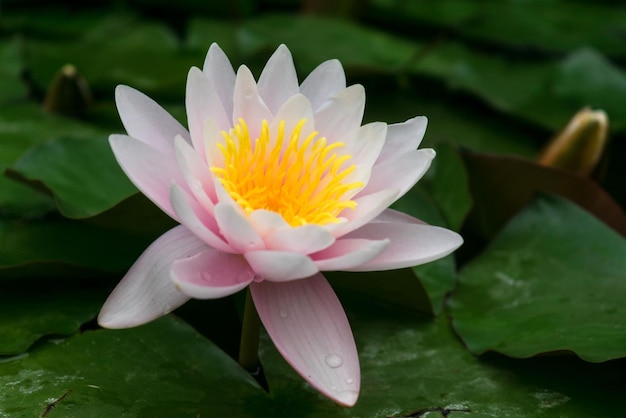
552, 280
82, 174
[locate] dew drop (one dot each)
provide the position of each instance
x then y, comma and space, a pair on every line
350, 381
283, 313
334, 360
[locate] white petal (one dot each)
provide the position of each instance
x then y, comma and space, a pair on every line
399, 173
145, 120
403, 137
202, 103
365, 143
323, 83
248, 105
280, 266
392, 215
211, 274
198, 220
341, 113
278, 81
303, 239
265, 221
292, 112
309, 327
237, 230
367, 208
147, 292
149, 169
410, 244
221, 74
348, 253
197, 174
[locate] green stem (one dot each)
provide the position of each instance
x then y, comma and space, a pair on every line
250, 331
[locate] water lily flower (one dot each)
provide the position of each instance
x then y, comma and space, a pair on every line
274, 182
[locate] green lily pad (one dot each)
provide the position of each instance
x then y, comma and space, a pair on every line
34, 308
82, 174
161, 369
552, 280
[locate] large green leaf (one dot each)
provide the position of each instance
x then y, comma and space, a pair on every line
82, 174
159, 370
552, 280
33, 308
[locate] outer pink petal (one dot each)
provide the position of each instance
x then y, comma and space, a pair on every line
278, 81
248, 104
280, 266
341, 113
324, 82
145, 120
403, 137
399, 173
304, 239
147, 291
239, 233
265, 222
410, 244
221, 74
309, 327
202, 102
197, 220
149, 169
348, 253
211, 274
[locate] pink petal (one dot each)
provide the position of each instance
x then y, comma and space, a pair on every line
211, 274
202, 103
197, 220
278, 81
367, 208
365, 143
403, 137
309, 327
304, 239
392, 215
295, 109
410, 244
197, 174
265, 222
248, 105
399, 173
341, 113
149, 169
237, 230
221, 74
280, 266
324, 82
147, 292
348, 253
145, 120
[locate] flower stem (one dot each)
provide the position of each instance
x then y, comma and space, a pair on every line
250, 331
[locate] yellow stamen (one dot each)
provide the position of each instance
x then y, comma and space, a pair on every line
300, 180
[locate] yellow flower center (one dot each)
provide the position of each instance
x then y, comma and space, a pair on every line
300, 179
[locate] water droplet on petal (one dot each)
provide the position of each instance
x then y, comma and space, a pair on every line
206, 276
334, 360
350, 381
283, 313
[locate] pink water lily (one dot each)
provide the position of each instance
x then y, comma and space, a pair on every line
273, 183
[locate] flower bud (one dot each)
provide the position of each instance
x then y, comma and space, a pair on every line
68, 94
580, 145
